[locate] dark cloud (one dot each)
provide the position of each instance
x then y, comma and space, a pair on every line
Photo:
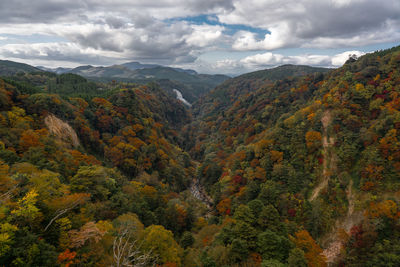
323, 20
115, 22
48, 11
155, 31
21, 11
208, 5
98, 40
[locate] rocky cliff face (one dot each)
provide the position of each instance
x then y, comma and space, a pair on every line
62, 130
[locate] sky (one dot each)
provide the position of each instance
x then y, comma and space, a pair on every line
209, 36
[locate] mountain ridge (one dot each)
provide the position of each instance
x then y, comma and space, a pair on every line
226, 93
8, 68
189, 82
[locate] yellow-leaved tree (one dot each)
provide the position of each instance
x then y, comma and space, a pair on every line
162, 245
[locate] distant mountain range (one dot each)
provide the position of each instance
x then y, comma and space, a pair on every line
191, 84
137, 65
114, 70
58, 70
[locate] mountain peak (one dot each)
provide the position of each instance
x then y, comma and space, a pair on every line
135, 65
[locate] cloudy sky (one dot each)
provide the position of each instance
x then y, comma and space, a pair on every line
210, 36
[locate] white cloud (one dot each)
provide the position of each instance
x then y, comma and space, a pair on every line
263, 59
204, 35
279, 37
316, 24
155, 31
339, 59
59, 52
270, 60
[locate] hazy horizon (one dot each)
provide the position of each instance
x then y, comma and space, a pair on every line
224, 36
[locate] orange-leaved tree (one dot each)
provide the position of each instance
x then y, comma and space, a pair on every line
312, 251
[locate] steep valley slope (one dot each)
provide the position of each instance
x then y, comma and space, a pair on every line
293, 166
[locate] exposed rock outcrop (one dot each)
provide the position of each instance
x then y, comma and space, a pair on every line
62, 130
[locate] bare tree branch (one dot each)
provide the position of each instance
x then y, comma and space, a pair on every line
60, 212
127, 252
8, 194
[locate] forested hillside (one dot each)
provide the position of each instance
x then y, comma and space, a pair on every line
78, 174
305, 159
227, 93
11, 68
293, 166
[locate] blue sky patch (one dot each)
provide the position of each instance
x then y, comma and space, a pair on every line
230, 29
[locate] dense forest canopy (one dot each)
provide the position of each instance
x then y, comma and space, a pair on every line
293, 166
